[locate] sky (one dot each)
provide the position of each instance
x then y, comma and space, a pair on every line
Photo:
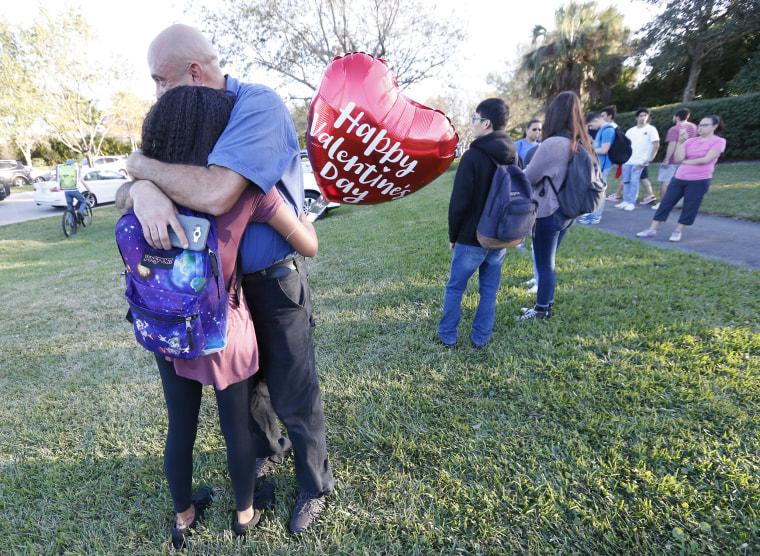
495, 29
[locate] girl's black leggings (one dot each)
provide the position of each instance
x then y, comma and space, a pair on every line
183, 400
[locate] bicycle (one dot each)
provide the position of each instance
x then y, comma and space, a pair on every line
71, 217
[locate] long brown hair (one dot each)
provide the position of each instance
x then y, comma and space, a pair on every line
565, 114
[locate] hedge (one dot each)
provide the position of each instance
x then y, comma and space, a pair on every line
740, 114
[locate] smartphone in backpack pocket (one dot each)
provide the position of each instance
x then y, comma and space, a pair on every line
196, 229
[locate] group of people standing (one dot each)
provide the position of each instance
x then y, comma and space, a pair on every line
545, 153
229, 150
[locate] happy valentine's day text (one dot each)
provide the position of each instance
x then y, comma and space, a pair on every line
368, 175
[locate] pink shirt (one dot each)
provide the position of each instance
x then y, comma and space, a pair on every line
697, 148
240, 359
672, 137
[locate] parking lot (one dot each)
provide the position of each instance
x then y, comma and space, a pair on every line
20, 207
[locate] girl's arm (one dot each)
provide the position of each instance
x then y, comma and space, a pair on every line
299, 233
709, 157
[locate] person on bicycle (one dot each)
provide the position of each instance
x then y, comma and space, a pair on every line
67, 179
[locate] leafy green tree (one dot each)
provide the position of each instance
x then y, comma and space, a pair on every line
688, 32
747, 80
513, 88
297, 39
20, 105
125, 118
584, 53
51, 85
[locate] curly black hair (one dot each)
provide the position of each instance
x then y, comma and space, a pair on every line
185, 123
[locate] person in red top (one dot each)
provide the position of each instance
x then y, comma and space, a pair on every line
669, 165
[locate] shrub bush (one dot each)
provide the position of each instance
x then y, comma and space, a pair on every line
740, 114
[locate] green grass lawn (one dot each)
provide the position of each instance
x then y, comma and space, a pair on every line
628, 424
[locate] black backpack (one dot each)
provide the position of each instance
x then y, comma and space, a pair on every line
620, 149
583, 190
510, 210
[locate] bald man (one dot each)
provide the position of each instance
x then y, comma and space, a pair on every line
259, 148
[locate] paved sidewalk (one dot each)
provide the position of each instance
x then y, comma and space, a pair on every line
715, 237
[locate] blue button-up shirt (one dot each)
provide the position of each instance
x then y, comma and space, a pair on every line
260, 144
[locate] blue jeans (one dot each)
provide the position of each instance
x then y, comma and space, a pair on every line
466, 260
72, 194
631, 179
596, 216
547, 236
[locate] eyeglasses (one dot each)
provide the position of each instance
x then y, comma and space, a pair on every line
705, 125
475, 119
535, 129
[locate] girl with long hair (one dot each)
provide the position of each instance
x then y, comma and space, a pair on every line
564, 131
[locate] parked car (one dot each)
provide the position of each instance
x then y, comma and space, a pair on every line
13, 172
102, 183
116, 163
314, 205
42, 175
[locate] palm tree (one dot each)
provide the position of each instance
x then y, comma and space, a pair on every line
584, 53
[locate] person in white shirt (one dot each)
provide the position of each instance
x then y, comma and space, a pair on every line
645, 141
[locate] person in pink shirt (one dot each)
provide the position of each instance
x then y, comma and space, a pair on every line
697, 158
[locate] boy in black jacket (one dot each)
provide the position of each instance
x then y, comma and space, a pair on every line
471, 185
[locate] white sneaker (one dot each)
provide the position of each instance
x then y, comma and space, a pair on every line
531, 282
629, 207
621, 205
649, 232
648, 199
675, 236
656, 206
533, 289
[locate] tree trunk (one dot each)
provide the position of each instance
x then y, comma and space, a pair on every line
697, 53
691, 84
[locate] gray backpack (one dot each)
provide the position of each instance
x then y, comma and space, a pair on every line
583, 190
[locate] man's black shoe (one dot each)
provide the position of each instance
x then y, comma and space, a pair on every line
308, 509
265, 466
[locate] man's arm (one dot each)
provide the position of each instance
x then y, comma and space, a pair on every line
159, 185
655, 148
461, 197
213, 190
123, 199
603, 149
669, 153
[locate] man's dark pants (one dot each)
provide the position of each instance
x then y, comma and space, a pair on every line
287, 377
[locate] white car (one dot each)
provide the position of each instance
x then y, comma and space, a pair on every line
102, 183
116, 163
314, 205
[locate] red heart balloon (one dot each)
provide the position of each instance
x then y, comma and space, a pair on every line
367, 142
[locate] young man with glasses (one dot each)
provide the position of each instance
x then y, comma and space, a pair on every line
472, 182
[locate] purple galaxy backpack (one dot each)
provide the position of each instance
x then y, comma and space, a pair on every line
177, 298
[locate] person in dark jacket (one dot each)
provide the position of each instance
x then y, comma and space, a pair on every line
477, 166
